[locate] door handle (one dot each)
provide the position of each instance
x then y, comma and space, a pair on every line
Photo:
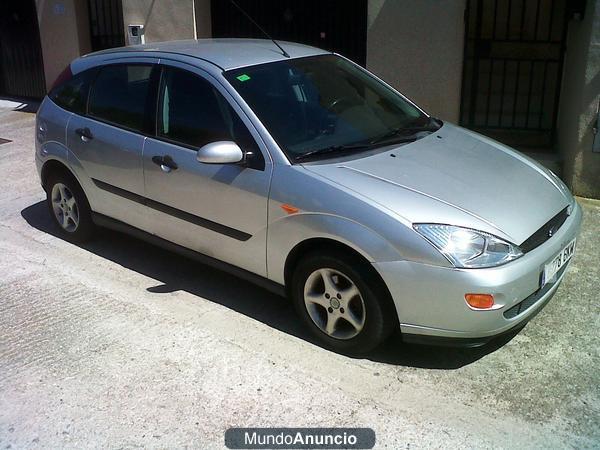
165, 162
84, 133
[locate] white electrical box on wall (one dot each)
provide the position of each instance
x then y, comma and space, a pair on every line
135, 34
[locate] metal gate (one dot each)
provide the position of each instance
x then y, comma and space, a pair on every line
336, 25
106, 24
512, 71
21, 64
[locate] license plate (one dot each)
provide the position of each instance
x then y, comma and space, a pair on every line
552, 268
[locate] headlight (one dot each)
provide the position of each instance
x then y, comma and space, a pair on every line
468, 248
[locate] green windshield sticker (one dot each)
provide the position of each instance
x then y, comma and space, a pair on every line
243, 77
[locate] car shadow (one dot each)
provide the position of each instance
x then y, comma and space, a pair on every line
177, 273
28, 105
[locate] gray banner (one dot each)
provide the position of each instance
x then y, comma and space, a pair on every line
258, 438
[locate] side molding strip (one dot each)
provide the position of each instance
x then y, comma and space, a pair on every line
121, 227
178, 213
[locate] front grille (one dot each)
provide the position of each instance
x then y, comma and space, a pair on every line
545, 232
533, 298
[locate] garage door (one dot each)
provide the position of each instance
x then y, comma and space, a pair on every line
21, 66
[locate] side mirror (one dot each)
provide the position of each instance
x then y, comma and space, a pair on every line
220, 152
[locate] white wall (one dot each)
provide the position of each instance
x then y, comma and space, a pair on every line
166, 20
578, 104
417, 46
203, 19
64, 34
163, 20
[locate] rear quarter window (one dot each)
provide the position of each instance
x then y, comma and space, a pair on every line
73, 94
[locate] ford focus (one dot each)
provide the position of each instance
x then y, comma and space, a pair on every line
305, 173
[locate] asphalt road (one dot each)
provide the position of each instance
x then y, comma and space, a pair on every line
117, 344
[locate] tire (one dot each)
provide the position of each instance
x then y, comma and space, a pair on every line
359, 319
69, 208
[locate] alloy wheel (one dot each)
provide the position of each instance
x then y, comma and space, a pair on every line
65, 207
334, 303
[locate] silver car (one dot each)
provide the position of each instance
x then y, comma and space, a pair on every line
307, 174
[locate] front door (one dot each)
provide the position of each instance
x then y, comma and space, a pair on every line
218, 210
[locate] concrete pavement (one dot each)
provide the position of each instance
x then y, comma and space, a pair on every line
117, 344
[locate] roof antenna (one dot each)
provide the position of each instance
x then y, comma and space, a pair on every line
286, 54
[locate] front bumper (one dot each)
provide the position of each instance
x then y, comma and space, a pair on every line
430, 299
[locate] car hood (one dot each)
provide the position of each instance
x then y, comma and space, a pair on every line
458, 177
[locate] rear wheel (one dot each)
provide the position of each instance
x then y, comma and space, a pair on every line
69, 207
343, 304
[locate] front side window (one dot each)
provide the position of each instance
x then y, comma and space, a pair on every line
120, 94
326, 103
193, 113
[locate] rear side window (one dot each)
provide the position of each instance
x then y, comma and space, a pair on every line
192, 112
72, 95
119, 95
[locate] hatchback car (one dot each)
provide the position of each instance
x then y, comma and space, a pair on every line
307, 174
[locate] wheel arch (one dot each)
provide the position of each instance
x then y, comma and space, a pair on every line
328, 245
52, 166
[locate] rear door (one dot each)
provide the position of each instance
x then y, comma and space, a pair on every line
108, 142
217, 209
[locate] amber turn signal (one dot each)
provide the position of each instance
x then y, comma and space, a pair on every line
480, 301
289, 208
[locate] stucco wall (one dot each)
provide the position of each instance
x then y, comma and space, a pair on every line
579, 101
417, 46
203, 19
163, 20
64, 34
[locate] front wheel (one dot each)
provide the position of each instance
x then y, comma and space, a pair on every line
343, 304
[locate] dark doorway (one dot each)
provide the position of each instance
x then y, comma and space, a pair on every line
336, 25
106, 24
512, 71
21, 64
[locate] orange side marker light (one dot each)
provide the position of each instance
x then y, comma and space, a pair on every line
289, 208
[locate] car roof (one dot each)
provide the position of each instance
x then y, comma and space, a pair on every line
224, 53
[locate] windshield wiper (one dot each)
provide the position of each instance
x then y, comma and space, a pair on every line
343, 148
331, 149
396, 136
402, 131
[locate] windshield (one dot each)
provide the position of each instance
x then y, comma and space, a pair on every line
326, 106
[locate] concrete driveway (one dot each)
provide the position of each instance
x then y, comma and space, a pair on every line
117, 344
